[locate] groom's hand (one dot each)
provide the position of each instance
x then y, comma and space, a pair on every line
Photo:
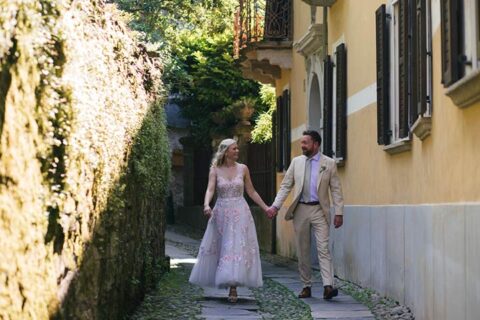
338, 221
271, 212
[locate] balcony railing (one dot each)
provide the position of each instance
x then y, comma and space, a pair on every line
262, 20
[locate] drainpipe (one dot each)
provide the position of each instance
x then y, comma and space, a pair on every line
325, 32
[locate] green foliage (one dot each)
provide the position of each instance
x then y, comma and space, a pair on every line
162, 21
195, 38
205, 76
278, 301
174, 298
150, 154
262, 132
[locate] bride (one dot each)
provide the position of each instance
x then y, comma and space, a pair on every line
228, 254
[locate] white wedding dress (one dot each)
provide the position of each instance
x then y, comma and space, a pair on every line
228, 254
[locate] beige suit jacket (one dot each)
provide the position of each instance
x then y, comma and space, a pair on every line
327, 180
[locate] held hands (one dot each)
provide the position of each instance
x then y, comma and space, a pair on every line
338, 221
271, 212
207, 211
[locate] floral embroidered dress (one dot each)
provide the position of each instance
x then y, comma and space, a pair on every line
228, 254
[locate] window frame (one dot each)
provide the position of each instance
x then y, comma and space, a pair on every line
335, 116
394, 48
464, 87
409, 106
429, 63
471, 30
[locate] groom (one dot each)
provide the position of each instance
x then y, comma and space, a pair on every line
312, 175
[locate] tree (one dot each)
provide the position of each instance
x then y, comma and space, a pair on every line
195, 38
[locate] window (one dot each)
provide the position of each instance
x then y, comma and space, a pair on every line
460, 30
282, 129
335, 105
403, 55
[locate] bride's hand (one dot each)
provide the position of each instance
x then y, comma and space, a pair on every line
207, 211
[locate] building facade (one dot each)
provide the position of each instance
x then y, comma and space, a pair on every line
394, 89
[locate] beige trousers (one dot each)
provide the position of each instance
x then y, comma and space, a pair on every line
307, 218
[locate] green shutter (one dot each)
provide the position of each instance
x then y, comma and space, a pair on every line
327, 106
451, 20
341, 103
279, 134
383, 83
421, 58
287, 129
403, 68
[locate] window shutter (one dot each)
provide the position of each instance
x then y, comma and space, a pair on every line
451, 27
279, 134
327, 106
341, 103
403, 68
421, 59
275, 137
287, 129
412, 60
382, 55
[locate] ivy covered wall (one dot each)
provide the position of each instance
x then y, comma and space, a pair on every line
84, 162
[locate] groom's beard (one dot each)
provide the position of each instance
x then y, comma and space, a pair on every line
307, 153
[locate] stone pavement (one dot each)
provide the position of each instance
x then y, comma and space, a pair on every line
215, 305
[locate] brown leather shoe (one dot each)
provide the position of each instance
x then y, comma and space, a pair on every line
329, 292
306, 293
232, 295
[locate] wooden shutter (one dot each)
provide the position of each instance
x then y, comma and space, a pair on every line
287, 129
274, 142
279, 134
382, 56
341, 102
327, 106
403, 68
412, 60
421, 58
451, 27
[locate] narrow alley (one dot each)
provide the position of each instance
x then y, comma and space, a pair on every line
175, 298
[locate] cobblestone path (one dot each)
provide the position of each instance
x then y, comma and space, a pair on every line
175, 298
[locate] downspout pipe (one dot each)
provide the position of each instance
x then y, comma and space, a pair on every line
325, 31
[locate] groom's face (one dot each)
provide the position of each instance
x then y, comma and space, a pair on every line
309, 147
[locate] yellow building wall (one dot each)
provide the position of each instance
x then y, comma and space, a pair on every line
442, 168
355, 22
399, 237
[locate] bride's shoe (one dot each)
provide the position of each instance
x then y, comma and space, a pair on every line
232, 295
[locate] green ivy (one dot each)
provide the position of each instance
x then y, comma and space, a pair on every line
150, 154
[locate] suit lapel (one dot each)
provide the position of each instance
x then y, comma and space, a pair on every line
302, 170
321, 169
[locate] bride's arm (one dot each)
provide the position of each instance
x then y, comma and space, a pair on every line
252, 193
212, 179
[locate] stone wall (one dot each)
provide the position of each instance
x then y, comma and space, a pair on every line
176, 180
425, 256
83, 162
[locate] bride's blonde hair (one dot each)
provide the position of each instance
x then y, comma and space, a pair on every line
219, 157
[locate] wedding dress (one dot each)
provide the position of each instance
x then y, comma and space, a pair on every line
228, 254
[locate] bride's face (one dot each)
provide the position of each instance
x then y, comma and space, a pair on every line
232, 152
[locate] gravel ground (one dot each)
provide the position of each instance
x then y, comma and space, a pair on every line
273, 298
174, 293
381, 307
174, 298
279, 302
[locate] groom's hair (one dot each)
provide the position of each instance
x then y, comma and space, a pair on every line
314, 135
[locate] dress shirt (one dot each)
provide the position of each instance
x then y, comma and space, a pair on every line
315, 160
